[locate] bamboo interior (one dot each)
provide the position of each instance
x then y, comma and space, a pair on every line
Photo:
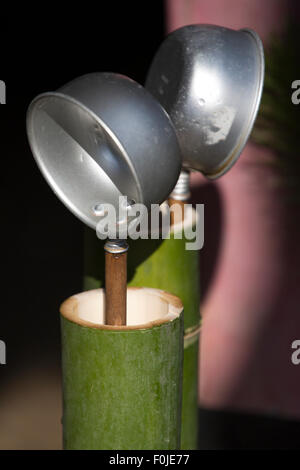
145, 308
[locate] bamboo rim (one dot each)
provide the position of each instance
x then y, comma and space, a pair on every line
72, 309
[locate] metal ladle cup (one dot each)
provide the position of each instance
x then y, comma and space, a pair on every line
102, 136
209, 79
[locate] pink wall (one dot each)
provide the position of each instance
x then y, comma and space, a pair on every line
263, 16
251, 296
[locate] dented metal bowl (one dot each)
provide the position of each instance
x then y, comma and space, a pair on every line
102, 136
209, 79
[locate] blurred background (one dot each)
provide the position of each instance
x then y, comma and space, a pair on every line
249, 390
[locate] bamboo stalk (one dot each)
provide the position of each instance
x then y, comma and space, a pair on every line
122, 385
167, 265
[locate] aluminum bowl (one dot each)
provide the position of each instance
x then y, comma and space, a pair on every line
209, 79
102, 136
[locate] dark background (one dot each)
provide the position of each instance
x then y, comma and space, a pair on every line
41, 248
42, 251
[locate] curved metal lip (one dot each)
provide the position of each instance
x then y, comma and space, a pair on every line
221, 170
39, 160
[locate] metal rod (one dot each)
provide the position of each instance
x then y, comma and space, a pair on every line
179, 196
115, 282
177, 212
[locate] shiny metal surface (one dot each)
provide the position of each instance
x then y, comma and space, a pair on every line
116, 246
181, 191
209, 79
102, 136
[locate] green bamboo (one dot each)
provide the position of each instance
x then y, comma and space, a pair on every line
122, 385
167, 265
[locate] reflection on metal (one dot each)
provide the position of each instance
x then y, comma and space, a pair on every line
209, 79
102, 136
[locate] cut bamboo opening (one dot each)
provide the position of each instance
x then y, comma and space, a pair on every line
122, 385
